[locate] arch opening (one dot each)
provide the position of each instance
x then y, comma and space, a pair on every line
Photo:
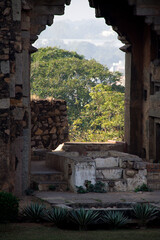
136, 22
95, 40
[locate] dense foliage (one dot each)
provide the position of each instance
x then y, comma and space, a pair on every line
92, 93
8, 207
103, 118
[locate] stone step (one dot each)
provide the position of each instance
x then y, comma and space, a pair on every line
40, 167
56, 160
84, 147
52, 186
39, 154
59, 160
47, 176
40, 172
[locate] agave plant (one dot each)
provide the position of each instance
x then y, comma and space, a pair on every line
144, 212
115, 219
57, 215
34, 212
83, 218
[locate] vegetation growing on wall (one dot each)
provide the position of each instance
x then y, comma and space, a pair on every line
94, 97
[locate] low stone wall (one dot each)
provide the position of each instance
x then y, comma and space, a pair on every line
119, 171
49, 124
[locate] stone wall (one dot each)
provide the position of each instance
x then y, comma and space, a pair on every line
119, 171
49, 124
153, 175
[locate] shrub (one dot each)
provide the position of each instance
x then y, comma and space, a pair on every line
8, 207
144, 212
81, 189
57, 215
34, 212
143, 188
114, 219
98, 187
83, 217
52, 188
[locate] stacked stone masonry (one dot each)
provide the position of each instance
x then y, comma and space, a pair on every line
121, 171
49, 124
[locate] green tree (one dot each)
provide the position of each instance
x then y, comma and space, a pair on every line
103, 118
67, 75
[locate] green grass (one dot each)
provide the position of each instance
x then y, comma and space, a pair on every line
40, 232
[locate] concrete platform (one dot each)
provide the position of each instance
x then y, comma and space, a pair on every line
121, 197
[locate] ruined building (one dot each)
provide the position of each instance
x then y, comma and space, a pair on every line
138, 24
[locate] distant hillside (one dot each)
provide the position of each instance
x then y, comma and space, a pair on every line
92, 38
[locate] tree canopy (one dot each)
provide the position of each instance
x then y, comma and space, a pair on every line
103, 118
82, 83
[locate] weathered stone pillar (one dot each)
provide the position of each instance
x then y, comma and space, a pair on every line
21, 22
128, 59
14, 97
136, 96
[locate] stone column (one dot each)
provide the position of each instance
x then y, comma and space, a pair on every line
14, 96
128, 59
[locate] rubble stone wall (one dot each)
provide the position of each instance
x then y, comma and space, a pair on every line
49, 124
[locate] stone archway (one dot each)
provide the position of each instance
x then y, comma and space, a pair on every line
136, 22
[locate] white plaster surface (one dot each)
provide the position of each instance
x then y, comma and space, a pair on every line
84, 171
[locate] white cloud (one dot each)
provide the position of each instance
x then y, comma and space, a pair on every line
107, 33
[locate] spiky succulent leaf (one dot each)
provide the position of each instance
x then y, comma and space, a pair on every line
144, 212
115, 218
84, 217
57, 215
34, 212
